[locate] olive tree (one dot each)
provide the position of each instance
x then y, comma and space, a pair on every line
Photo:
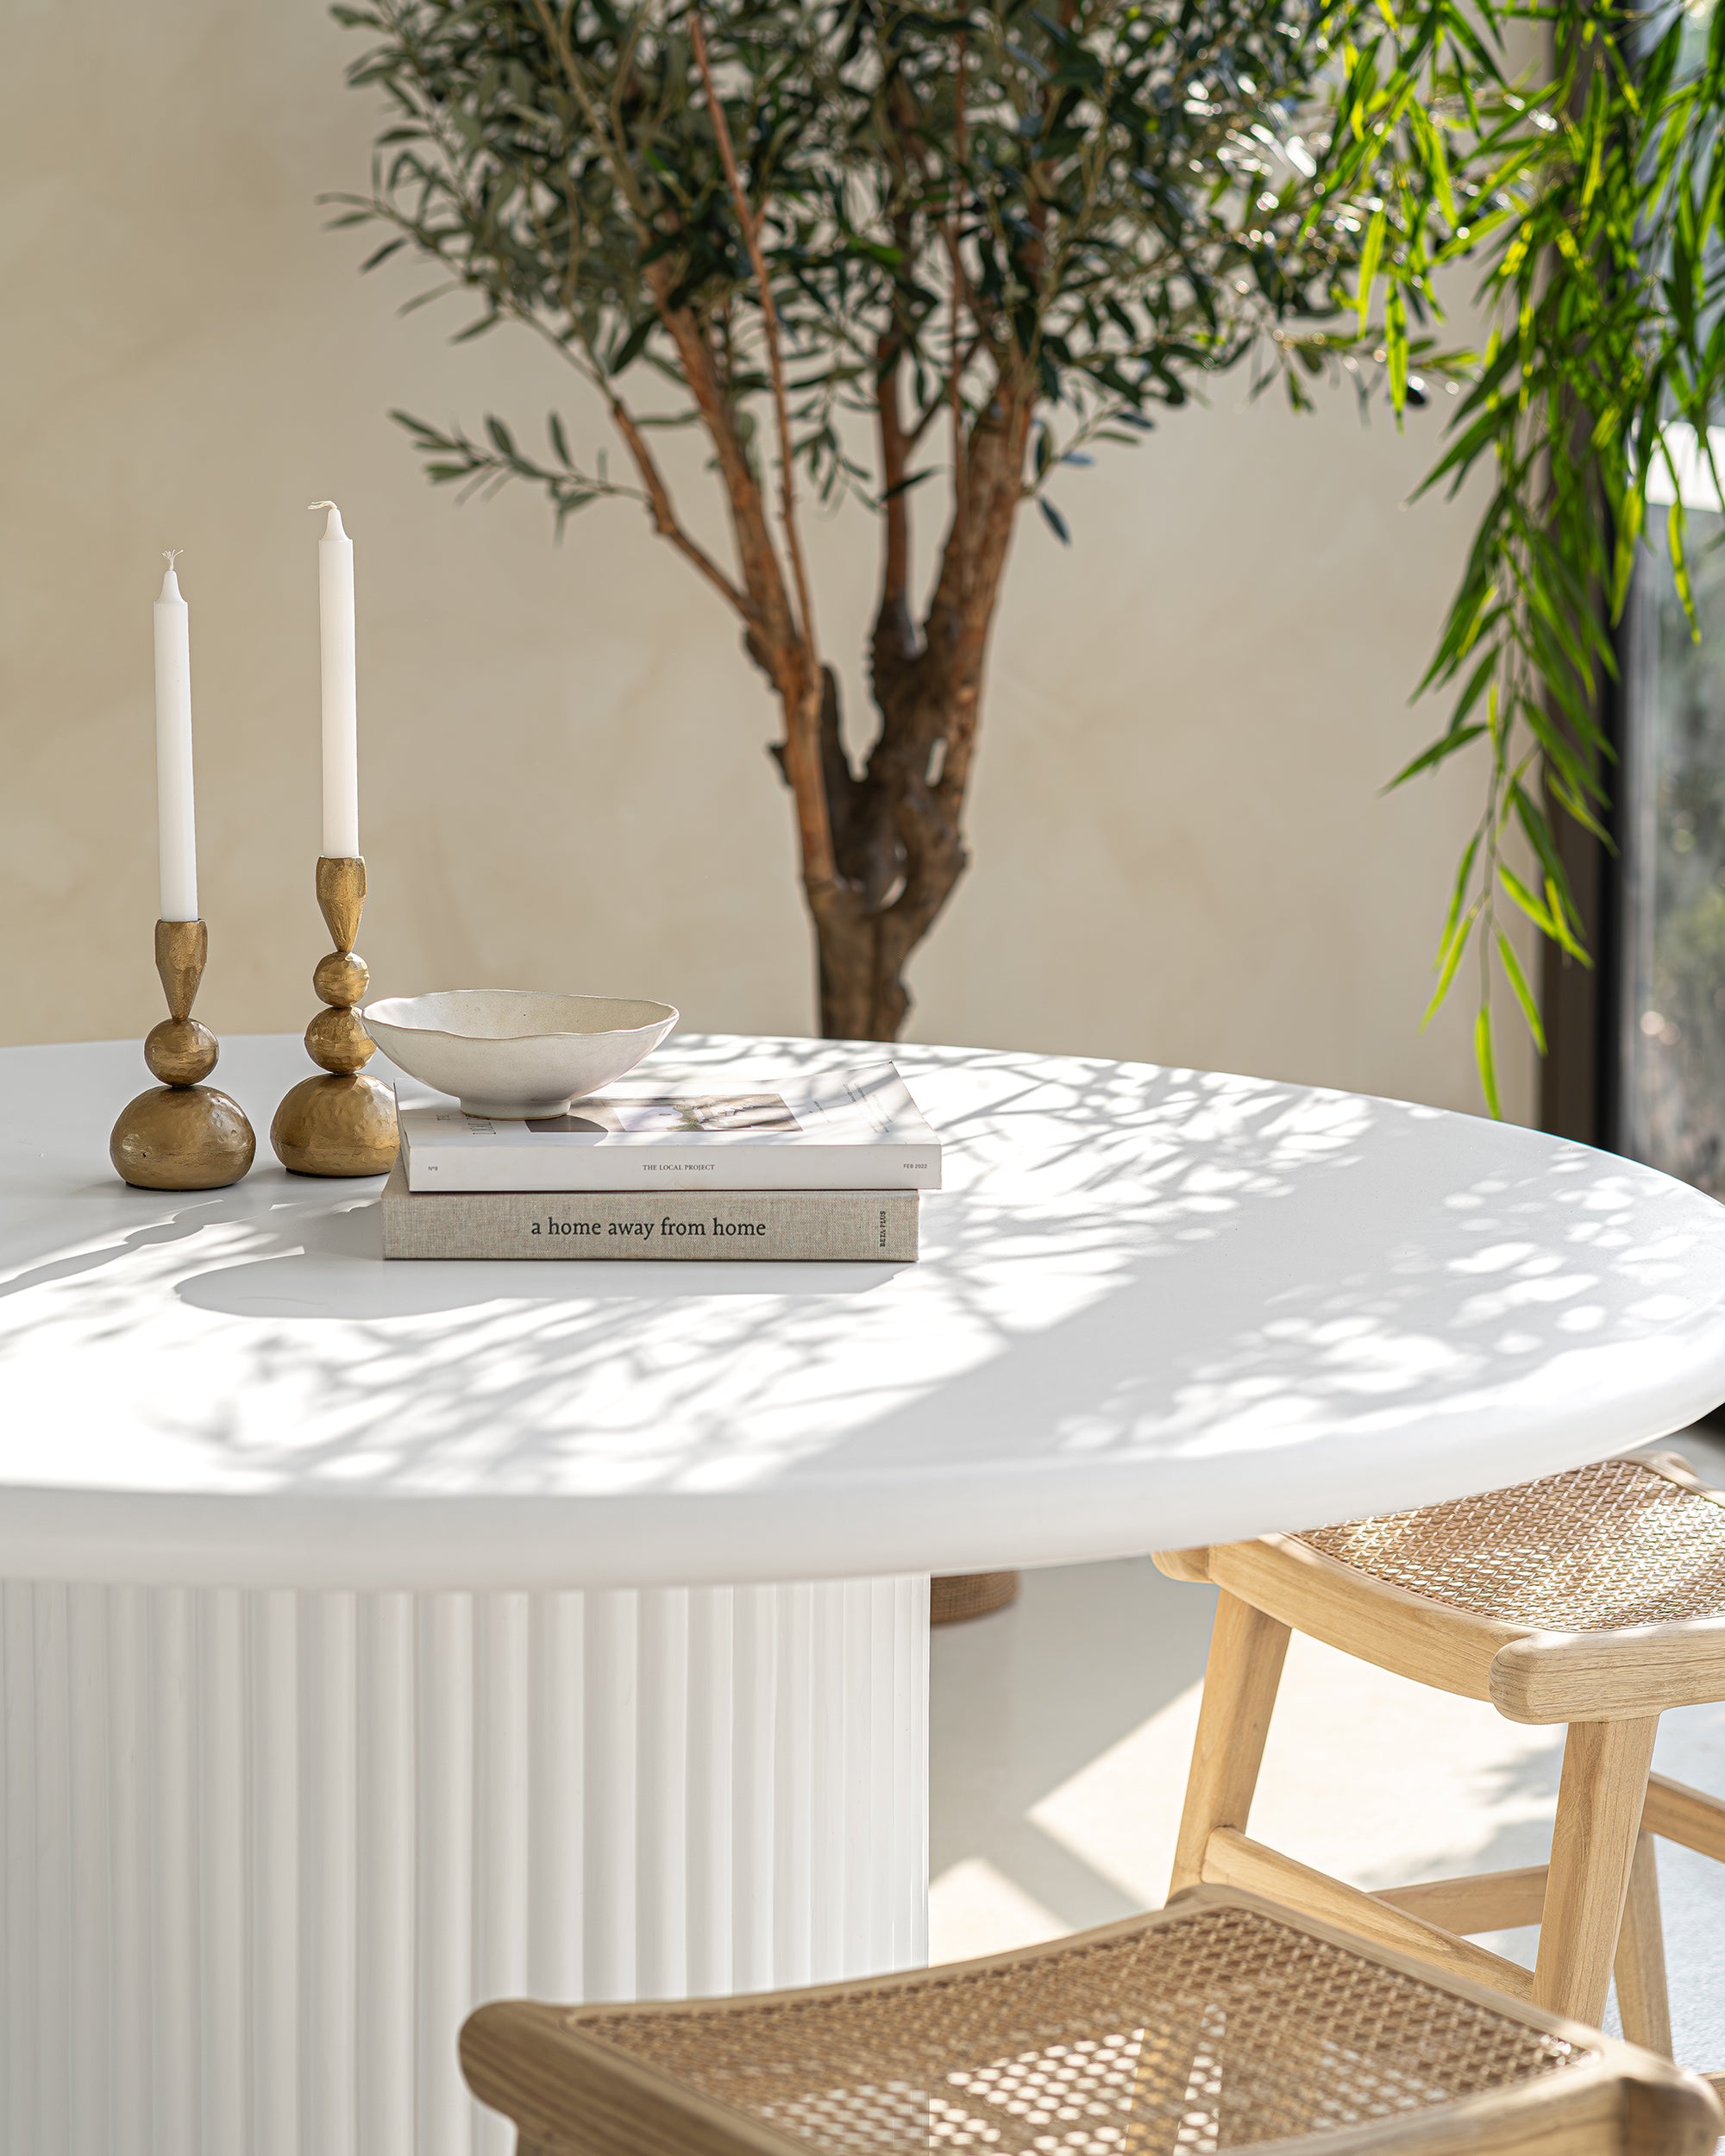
873, 251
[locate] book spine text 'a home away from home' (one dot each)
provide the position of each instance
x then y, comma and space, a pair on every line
858, 1226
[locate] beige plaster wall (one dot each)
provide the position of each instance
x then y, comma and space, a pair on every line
1180, 854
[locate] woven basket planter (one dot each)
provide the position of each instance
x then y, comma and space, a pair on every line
961, 1595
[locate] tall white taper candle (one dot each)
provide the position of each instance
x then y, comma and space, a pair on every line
176, 837
341, 690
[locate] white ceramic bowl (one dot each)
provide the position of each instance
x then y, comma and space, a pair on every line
516, 1052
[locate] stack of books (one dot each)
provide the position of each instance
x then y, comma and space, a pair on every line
828, 1167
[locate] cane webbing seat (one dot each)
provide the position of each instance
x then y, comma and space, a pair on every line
1076, 2042
1594, 1595
1600, 1548
1594, 1598
1221, 2023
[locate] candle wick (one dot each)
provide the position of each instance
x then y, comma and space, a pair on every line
320, 505
170, 554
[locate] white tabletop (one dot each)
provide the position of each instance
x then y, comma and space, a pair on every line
1154, 1308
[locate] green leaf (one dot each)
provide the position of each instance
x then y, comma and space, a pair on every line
1524, 995
1445, 745
1459, 895
1484, 1060
1537, 911
1449, 957
1366, 275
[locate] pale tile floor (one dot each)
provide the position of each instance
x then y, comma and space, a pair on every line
1061, 1733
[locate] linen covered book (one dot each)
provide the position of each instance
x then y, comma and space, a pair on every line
857, 1130
861, 1227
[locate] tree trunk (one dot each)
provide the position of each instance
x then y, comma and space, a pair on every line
899, 852
861, 956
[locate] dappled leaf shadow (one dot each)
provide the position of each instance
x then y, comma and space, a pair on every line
1150, 1302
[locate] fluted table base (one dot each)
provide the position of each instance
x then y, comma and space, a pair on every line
263, 1850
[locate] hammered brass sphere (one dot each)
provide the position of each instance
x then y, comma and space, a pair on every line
180, 1051
336, 1040
342, 978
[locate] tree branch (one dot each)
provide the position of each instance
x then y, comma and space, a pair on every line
961, 150
962, 363
962, 610
774, 629
895, 571
769, 322
801, 686
660, 504
663, 509
558, 39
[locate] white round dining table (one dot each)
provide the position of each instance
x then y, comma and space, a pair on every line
379, 1637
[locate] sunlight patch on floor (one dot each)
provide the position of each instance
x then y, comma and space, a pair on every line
978, 1910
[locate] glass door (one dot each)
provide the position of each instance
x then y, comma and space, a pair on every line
1672, 1038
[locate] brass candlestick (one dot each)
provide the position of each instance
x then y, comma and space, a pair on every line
343, 1124
181, 1135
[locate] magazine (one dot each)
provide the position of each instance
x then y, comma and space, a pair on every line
854, 1130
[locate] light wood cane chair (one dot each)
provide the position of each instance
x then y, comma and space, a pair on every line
1594, 1599
1219, 2023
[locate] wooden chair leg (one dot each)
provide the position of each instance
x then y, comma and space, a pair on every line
1642, 2000
1600, 1799
1247, 1650
1241, 1677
